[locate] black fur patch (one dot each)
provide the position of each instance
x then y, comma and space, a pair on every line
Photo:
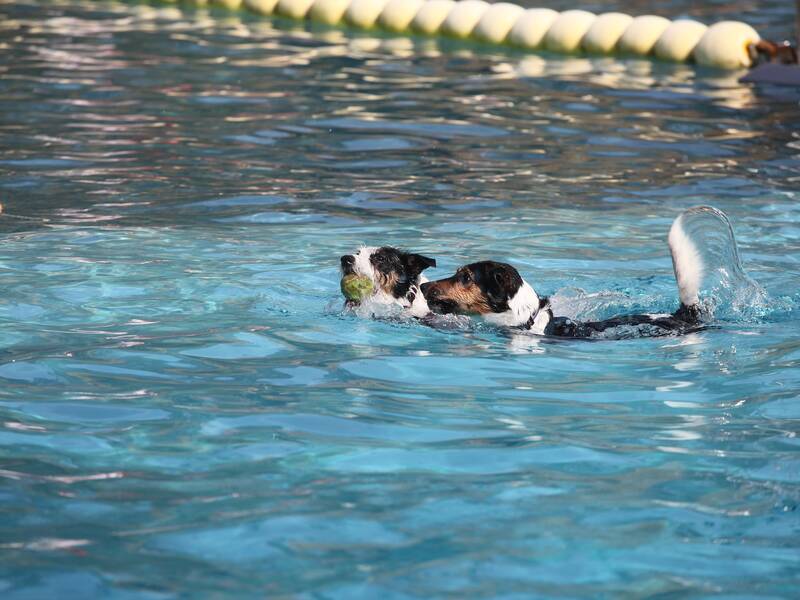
684, 320
404, 267
498, 281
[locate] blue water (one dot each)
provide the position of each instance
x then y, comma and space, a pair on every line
185, 411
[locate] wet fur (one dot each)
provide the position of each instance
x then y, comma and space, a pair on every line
476, 289
396, 274
497, 292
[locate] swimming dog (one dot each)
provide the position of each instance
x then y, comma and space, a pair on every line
498, 293
396, 276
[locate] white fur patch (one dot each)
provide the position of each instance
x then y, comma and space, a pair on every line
523, 305
363, 266
687, 263
540, 323
419, 307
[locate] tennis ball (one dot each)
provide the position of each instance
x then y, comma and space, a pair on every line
356, 287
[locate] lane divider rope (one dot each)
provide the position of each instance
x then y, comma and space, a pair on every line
726, 45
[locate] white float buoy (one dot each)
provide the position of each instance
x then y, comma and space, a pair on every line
496, 23
679, 40
397, 15
464, 17
262, 7
642, 34
294, 9
567, 31
605, 32
531, 27
726, 45
329, 12
364, 13
431, 16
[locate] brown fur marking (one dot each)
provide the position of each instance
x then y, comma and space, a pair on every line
387, 281
469, 298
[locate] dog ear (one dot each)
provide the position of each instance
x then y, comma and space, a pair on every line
499, 277
416, 263
497, 289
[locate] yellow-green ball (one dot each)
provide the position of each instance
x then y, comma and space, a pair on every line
356, 287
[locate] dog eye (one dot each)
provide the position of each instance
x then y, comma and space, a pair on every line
465, 277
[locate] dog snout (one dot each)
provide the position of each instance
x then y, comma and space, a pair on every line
348, 262
437, 298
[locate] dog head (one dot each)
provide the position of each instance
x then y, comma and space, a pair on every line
392, 271
494, 290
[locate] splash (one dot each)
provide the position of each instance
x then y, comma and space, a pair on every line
374, 308
581, 305
708, 272
708, 269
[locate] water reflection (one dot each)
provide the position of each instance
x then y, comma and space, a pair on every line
556, 112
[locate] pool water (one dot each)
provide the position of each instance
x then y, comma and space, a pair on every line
186, 411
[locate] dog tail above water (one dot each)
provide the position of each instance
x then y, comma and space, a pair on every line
686, 261
706, 261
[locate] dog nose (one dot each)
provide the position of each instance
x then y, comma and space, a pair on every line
348, 260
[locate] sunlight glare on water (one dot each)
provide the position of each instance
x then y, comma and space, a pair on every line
187, 411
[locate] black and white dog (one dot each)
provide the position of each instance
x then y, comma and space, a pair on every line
396, 276
498, 293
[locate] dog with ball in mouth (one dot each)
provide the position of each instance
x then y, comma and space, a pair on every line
385, 276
